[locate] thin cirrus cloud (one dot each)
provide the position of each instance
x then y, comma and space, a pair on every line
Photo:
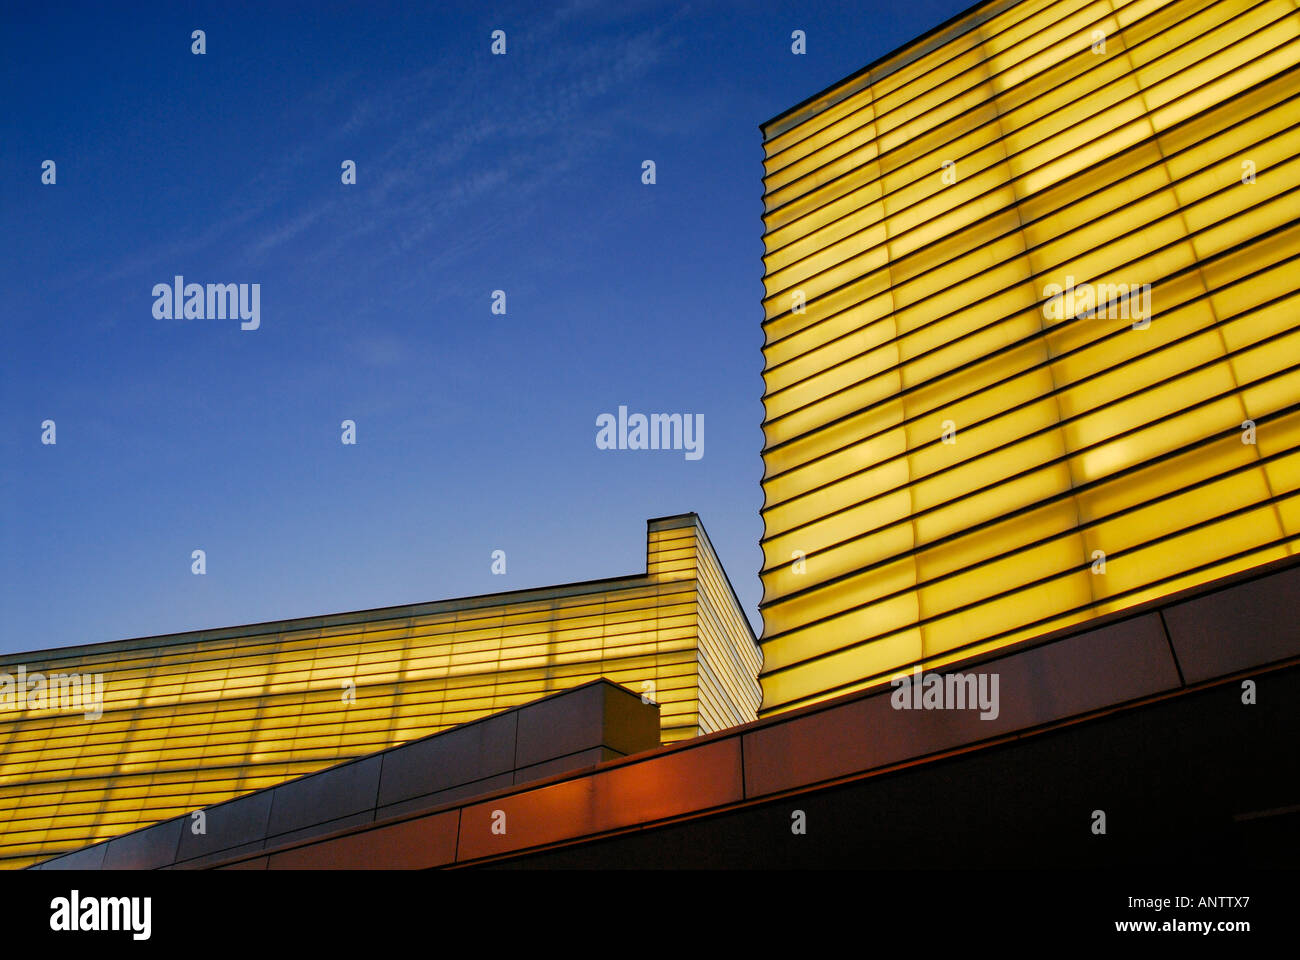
538, 121
418, 180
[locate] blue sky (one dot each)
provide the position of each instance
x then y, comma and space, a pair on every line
475, 432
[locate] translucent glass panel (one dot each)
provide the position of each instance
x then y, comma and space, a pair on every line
1025, 329
188, 722
729, 693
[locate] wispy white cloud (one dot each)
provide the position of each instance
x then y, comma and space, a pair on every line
428, 180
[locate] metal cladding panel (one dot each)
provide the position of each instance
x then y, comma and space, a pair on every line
409, 845
625, 796
1237, 628
1032, 352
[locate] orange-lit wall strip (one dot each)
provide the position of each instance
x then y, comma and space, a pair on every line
193, 719
1032, 331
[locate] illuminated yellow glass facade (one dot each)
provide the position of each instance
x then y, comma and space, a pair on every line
192, 719
955, 457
